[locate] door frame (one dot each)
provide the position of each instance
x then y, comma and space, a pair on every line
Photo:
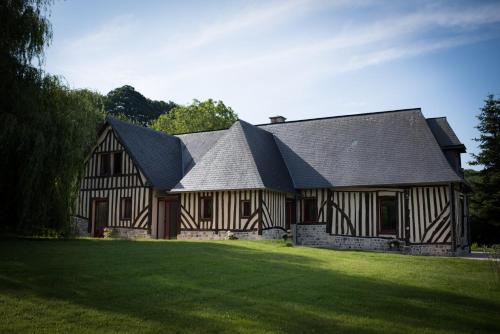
168, 198
93, 203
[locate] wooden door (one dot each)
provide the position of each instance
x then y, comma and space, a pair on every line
100, 217
168, 218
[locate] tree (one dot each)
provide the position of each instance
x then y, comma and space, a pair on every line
485, 200
198, 116
127, 103
46, 129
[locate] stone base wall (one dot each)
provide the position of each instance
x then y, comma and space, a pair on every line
268, 234
316, 236
81, 227
129, 233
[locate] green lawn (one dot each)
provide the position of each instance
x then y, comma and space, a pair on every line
237, 286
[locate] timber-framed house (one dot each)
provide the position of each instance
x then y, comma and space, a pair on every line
368, 181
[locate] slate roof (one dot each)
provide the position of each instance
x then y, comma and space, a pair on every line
244, 157
444, 134
157, 155
387, 148
376, 149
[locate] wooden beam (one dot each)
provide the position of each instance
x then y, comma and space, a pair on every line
259, 218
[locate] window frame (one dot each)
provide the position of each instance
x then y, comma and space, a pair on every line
316, 215
201, 208
101, 164
381, 229
118, 156
242, 208
123, 201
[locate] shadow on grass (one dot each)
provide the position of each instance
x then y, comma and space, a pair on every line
228, 287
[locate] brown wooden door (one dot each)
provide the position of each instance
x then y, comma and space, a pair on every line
168, 218
100, 217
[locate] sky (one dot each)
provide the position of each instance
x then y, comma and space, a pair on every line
298, 58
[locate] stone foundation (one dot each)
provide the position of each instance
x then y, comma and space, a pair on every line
268, 234
316, 236
129, 233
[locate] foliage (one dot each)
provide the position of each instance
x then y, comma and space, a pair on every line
238, 286
198, 116
128, 104
484, 204
45, 128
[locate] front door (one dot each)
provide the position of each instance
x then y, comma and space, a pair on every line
168, 218
100, 217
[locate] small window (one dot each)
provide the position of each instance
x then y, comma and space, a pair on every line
388, 211
105, 164
206, 208
245, 209
117, 163
126, 208
310, 210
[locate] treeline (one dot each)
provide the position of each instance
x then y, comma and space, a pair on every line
47, 129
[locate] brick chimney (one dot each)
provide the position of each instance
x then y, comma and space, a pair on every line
277, 119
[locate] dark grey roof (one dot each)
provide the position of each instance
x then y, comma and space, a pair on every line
443, 133
244, 157
195, 145
157, 155
387, 148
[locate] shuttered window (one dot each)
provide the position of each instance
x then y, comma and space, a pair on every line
310, 210
126, 208
206, 208
245, 208
388, 214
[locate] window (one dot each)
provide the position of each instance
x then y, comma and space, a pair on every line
126, 208
206, 206
105, 164
117, 163
310, 210
388, 211
245, 208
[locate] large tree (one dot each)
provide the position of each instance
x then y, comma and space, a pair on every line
485, 199
45, 128
197, 116
126, 102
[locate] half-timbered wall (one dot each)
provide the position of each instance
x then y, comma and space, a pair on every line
355, 213
430, 220
130, 183
227, 214
273, 210
226, 210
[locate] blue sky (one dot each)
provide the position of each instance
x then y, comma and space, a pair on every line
300, 59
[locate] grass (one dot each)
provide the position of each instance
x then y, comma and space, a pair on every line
89, 286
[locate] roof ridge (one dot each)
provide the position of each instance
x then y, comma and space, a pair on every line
439, 117
343, 116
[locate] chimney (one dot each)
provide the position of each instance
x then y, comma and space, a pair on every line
277, 119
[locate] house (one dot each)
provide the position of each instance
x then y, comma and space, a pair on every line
365, 181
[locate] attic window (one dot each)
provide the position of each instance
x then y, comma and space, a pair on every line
105, 163
117, 163
245, 208
206, 208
